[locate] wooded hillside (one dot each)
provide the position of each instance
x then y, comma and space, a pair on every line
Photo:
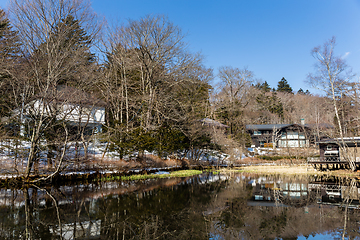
154, 90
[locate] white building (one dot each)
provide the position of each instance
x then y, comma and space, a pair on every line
76, 107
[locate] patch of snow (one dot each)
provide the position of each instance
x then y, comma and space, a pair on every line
78, 173
162, 172
8, 176
108, 171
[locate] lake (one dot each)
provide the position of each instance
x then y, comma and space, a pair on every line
209, 206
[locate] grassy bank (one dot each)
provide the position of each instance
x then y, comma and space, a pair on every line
180, 173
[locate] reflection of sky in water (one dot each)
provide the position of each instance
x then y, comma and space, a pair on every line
322, 236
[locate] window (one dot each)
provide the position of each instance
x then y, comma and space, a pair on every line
293, 135
257, 132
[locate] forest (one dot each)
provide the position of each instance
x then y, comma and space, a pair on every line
154, 92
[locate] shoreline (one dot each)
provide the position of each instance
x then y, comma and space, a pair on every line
303, 169
94, 175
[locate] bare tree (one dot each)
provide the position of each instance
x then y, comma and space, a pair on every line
332, 76
152, 79
233, 98
235, 82
162, 62
52, 55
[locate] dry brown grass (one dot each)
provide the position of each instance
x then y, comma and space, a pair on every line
276, 169
302, 169
145, 161
255, 160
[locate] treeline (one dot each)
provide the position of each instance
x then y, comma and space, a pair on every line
240, 99
154, 89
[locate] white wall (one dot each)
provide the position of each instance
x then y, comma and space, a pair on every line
71, 112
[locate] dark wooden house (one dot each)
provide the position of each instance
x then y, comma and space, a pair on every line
280, 135
336, 153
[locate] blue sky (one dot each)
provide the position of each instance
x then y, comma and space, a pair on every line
272, 38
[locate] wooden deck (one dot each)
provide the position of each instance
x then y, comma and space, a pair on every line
330, 163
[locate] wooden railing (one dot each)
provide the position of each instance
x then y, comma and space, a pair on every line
324, 159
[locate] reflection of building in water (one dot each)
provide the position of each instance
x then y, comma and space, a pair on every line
294, 190
276, 191
336, 193
88, 229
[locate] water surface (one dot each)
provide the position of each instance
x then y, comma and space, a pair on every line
236, 206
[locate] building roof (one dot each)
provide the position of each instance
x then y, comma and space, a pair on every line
213, 123
266, 126
349, 141
66, 94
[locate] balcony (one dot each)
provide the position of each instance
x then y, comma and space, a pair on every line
326, 160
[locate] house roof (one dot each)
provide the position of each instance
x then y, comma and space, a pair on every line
349, 141
213, 123
266, 126
67, 94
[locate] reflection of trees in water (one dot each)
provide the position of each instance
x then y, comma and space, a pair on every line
218, 209
166, 212
20, 218
346, 203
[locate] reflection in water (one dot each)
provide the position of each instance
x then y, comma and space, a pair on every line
205, 207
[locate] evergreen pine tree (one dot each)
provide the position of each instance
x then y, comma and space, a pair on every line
265, 87
283, 86
9, 60
301, 91
75, 37
270, 103
9, 42
72, 42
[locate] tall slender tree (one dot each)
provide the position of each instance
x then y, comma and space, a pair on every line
332, 76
